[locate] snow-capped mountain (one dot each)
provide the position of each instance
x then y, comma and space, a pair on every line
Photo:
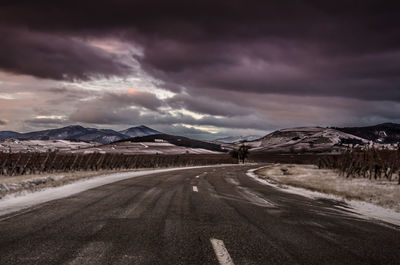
285, 140
139, 131
40, 146
160, 144
80, 133
73, 133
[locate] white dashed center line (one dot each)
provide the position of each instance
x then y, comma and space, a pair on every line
221, 252
195, 189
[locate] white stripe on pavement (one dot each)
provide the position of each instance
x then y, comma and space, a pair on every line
195, 189
221, 252
197, 177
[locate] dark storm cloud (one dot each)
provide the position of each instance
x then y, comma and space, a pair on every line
279, 67
54, 56
45, 121
207, 105
188, 132
132, 97
100, 115
213, 53
340, 48
115, 108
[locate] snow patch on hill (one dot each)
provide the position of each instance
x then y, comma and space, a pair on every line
305, 139
28, 146
236, 139
161, 148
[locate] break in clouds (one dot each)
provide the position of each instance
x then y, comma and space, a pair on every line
206, 66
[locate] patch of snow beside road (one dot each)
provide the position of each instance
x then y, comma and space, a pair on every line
11, 204
364, 209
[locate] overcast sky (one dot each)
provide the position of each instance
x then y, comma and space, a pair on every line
203, 69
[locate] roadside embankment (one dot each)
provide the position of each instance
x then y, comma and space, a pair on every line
28, 183
379, 192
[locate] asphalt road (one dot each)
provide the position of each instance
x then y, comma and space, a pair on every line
179, 218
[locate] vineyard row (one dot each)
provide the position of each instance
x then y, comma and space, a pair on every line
369, 163
39, 163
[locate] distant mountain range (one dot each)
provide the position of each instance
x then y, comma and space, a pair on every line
285, 140
80, 133
8, 134
139, 131
178, 141
385, 133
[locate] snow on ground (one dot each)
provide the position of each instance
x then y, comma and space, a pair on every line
87, 148
361, 208
21, 184
41, 145
26, 184
303, 139
380, 192
238, 139
149, 148
11, 204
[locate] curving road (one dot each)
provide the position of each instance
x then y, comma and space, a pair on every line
213, 215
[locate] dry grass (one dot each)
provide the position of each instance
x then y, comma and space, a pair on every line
380, 192
51, 180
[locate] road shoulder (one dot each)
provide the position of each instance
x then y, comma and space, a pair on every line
267, 175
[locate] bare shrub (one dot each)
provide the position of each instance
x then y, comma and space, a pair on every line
370, 162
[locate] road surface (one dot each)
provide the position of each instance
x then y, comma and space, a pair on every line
215, 215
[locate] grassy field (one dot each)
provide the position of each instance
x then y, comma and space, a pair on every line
380, 192
22, 183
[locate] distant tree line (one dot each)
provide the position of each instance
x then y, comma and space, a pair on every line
37, 163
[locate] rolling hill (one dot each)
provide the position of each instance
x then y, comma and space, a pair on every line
305, 139
157, 144
178, 141
80, 134
385, 133
236, 139
8, 134
74, 133
147, 140
139, 131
